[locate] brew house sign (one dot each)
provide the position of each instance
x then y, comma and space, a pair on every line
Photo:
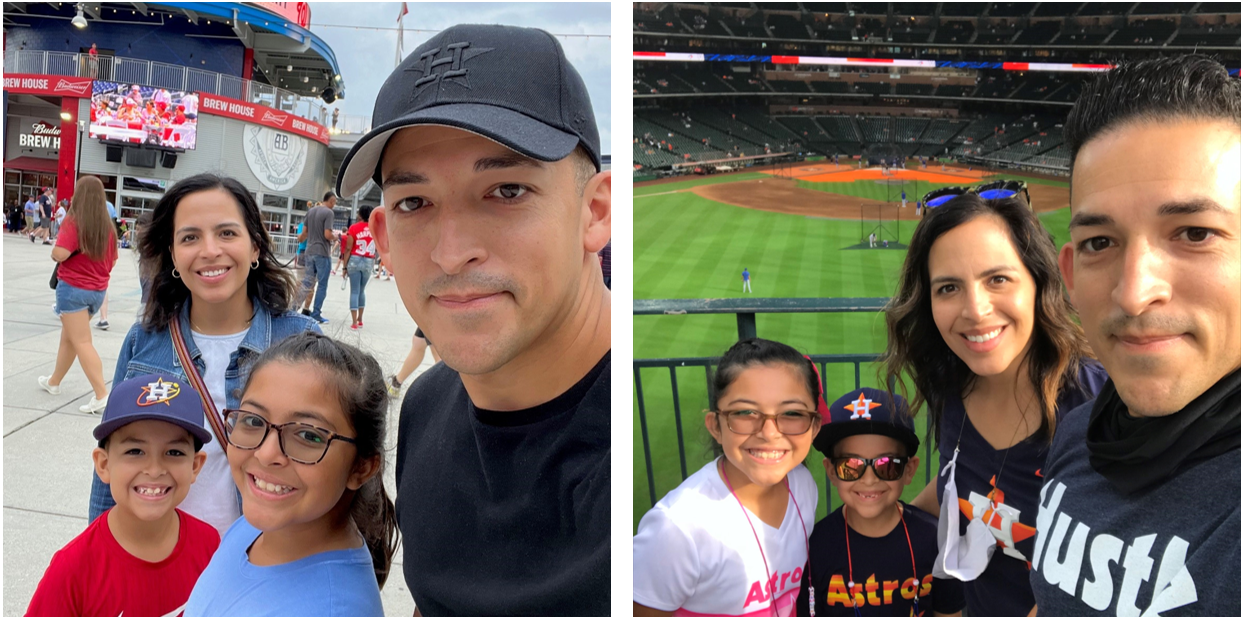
40, 135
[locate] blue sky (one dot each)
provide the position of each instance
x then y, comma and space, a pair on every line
366, 56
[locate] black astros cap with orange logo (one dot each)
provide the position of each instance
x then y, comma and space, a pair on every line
512, 85
867, 411
153, 397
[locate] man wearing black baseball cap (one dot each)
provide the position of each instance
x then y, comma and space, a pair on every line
494, 207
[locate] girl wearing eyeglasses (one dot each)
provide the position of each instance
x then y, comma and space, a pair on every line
732, 540
216, 282
318, 531
982, 326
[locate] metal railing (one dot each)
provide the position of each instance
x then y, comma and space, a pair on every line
746, 311
164, 75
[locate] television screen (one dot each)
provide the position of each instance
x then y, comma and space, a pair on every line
144, 115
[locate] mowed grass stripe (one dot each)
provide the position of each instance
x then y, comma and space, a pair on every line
682, 185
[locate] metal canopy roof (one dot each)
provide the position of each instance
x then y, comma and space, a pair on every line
277, 42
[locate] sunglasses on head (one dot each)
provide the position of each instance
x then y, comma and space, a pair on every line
887, 468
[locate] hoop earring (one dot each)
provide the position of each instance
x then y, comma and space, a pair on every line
177, 274
256, 264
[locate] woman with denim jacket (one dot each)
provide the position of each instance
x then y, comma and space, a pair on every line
215, 278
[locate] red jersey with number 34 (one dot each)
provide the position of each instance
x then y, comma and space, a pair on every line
364, 246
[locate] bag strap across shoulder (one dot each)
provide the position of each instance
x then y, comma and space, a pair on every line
210, 412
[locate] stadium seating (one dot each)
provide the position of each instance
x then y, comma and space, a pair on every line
877, 130
939, 131
1038, 33
662, 21
787, 27
840, 128
1145, 32
804, 128
701, 22
954, 31
914, 89
908, 130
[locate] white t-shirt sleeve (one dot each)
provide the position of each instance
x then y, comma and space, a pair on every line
665, 567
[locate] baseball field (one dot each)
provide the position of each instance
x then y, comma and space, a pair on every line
799, 232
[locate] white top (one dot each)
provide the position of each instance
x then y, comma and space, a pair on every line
694, 552
213, 497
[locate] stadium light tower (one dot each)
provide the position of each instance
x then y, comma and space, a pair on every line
79, 21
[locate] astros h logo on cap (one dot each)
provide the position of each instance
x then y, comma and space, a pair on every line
157, 392
152, 397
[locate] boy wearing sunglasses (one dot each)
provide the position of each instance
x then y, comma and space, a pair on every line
873, 556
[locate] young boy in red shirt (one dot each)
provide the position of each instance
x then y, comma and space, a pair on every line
142, 557
874, 555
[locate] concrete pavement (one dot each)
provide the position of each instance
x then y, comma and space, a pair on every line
47, 441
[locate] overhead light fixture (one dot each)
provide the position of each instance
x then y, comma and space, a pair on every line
305, 78
66, 116
289, 67
79, 21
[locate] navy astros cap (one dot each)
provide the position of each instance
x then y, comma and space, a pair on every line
509, 84
867, 411
154, 397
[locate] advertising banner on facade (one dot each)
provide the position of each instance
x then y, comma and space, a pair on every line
263, 115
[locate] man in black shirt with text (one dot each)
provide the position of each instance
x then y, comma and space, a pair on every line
1140, 510
494, 208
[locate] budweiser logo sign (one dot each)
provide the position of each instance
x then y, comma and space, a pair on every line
78, 88
44, 128
269, 117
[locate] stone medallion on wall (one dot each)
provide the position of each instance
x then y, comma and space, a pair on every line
276, 158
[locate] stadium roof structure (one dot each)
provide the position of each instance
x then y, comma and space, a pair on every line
285, 52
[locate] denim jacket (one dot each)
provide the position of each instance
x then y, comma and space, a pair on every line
145, 352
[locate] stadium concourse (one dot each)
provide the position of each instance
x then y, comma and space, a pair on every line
48, 443
781, 137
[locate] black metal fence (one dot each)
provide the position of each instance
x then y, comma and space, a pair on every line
746, 311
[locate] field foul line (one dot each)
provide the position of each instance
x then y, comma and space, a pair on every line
677, 191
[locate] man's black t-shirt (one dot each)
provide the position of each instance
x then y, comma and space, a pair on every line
45, 207
882, 570
505, 513
1174, 549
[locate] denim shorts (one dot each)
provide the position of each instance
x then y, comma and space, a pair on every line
70, 298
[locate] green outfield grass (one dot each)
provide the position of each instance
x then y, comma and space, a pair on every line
688, 247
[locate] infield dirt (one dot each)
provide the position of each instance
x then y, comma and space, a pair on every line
781, 194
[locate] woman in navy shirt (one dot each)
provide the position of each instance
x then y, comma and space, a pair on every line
982, 326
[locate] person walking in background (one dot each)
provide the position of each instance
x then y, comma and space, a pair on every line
318, 233
748, 281
58, 217
419, 343
86, 252
43, 214
31, 212
358, 245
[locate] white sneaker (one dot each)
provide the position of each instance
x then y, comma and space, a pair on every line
96, 405
48, 387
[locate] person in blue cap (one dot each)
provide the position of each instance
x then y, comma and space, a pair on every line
143, 556
873, 555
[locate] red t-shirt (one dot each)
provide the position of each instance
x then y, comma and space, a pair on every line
363, 240
80, 270
94, 576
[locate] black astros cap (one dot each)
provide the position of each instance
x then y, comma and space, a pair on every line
509, 84
867, 411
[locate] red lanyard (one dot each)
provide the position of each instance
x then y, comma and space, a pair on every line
852, 583
804, 532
